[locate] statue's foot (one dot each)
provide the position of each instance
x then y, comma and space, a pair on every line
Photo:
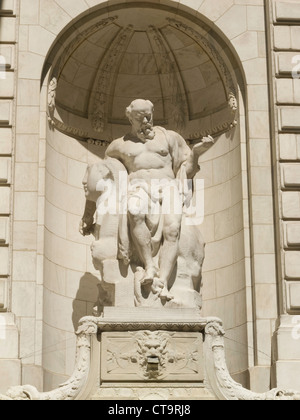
157, 286
166, 295
149, 276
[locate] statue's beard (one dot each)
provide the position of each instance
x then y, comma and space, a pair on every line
146, 133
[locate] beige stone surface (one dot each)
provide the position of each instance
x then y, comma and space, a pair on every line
292, 231
264, 268
5, 200
266, 296
255, 17
257, 124
26, 177
291, 175
24, 266
28, 92
294, 297
32, 374
7, 85
5, 112
287, 11
292, 264
234, 21
257, 175
30, 65
295, 31
27, 148
258, 98
291, 205
27, 340
29, 12
28, 120
9, 348
289, 118
282, 37
10, 373
263, 342
23, 299
264, 239
4, 230
74, 254
25, 206
8, 29
25, 236
285, 91
8, 5
216, 10
5, 140
262, 210
289, 146
285, 63
256, 71
5, 171
287, 374
39, 40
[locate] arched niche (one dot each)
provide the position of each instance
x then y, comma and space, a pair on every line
96, 67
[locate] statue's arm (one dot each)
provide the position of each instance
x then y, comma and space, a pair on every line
113, 150
87, 222
192, 164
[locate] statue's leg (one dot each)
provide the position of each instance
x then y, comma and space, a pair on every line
142, 240
169, 251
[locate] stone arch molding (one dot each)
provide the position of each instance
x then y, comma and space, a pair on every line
94, 110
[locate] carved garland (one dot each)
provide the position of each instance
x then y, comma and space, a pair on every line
54, 123
168, 66
105, 79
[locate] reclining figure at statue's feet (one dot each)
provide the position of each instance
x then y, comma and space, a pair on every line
140, 208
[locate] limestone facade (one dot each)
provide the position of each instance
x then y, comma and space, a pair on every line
252, 199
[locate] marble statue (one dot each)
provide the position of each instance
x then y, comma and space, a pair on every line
147, 230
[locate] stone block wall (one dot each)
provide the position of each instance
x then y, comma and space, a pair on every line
10, 365
285, 72
226, 232
70, 280
286, 47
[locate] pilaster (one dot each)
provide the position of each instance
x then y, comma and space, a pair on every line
285, 73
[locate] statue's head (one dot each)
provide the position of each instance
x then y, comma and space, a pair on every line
140, 114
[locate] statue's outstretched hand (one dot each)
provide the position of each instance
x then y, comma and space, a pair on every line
86, 226
203, 145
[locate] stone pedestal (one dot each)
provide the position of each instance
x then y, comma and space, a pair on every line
147, 354
144, 354
287, 352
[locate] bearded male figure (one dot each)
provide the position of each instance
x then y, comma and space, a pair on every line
155, 155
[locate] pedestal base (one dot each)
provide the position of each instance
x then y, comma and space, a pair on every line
142, 353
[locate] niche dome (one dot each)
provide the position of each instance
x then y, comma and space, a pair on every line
141, 53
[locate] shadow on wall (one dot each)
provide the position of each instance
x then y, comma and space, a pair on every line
91, 298
87, 298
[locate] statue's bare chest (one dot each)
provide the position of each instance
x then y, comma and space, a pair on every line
158, 146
